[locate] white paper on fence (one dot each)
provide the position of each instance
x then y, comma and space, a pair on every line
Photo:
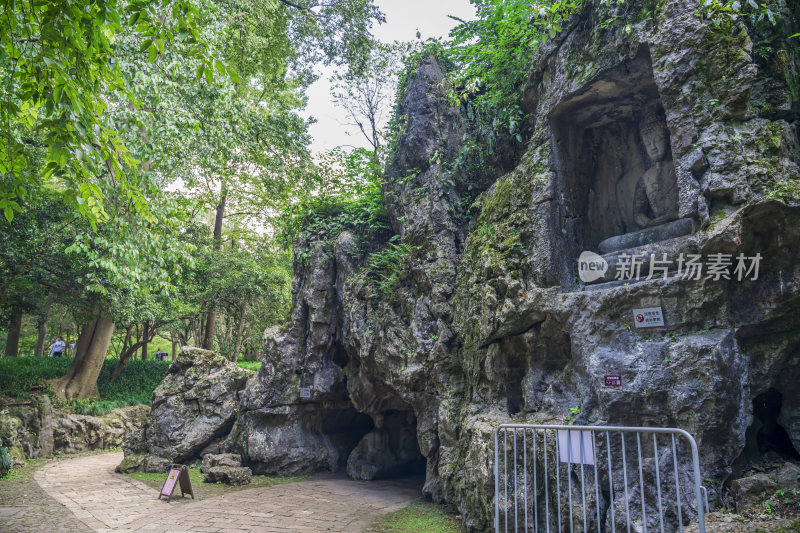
573, 440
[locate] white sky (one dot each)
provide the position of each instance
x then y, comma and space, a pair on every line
403, 19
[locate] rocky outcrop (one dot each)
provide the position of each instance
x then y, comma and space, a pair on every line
194, 408
37, 430
653, 133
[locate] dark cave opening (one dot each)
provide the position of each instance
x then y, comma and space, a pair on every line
514, 397
345, 428
378, 443
769, 435
339, 355
390, 450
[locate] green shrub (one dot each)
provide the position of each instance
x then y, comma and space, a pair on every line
19, 374
386, 267
135, 385
5, 461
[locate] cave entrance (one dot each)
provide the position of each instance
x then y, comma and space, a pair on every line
765, 434
389, 450
344, 426
381, 444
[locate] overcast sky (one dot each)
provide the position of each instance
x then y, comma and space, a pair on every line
403, 19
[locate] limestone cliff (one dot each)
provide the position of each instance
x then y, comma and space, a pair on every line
653, 133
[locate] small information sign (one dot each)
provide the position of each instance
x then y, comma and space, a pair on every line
305, 392
178, 474
613, 380
648, 317
575, 447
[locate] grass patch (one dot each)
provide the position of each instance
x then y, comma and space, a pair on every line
249, 365
208, 490
419, 517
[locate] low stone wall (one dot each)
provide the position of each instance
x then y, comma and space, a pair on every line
36, 430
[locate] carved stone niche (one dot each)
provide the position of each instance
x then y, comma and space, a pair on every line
615, 175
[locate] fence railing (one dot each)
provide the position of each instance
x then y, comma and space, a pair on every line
596, 478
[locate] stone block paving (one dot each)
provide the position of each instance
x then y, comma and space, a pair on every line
106, 501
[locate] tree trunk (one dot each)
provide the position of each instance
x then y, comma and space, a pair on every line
174, 338
211, 318
239, 334
145, 336
42, 322
12, 341
80, 381
124, 358
127, 342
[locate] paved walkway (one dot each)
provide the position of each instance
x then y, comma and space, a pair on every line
106, 501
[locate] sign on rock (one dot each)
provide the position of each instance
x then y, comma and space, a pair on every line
305, 392
177, 474
649, 317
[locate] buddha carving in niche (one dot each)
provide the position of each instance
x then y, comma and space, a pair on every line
655, 198
648, 201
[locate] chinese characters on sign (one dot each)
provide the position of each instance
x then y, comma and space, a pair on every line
689, 266
649, 317
305, 392
613, 380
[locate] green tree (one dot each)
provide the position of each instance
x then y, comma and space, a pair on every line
57, 70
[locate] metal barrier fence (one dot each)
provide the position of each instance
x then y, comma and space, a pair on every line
638, 479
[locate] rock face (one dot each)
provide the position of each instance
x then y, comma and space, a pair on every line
487, 320
193, 408
38, 430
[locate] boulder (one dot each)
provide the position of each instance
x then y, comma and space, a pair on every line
787, 476
230, 475
223, 459
195, 403
751, 490
722, 522
143, 463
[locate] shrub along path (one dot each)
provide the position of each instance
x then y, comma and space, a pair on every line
105, 501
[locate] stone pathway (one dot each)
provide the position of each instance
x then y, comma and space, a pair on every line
106, 501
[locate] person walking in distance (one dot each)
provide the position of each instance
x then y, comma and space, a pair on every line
57, 348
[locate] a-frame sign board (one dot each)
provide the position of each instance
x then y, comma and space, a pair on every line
177, 474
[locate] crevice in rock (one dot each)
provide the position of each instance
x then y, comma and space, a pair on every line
339, 355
